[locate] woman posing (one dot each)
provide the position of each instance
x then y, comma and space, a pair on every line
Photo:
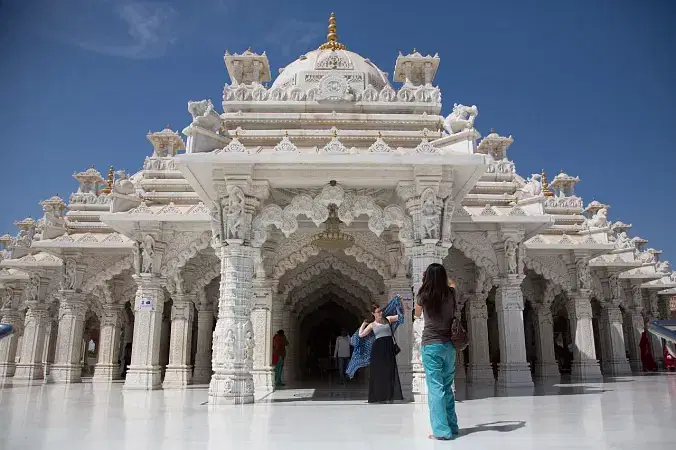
384, 385
436, 302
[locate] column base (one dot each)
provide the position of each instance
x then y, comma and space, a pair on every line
65, 373
547, 371
419, 387
514, 375
231, 389
406, 381
201, 375
106, 372
177, 377
29, 372
636, 365
7, 370
143, 378
264, 381
586, 371
616, 368
481, 374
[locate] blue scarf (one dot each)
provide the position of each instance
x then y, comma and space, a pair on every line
361, 357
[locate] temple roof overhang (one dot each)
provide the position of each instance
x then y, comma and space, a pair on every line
37, 262
10, 276
617, 260
666, 282
85, 243
646, 272
670, 292
307, 169
171, 216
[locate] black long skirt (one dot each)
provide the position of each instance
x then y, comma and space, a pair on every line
384, 385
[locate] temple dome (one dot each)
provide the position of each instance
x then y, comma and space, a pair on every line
314, 65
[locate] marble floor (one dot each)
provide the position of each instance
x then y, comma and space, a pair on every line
628, 413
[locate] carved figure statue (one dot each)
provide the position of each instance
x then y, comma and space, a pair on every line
136, 249
25, 237
461, 118
32, 288
123, 184
532, 188
510, 255
69, 274
6, 298
215, 223
663, 267
646, 257
200, 109
235, 213
430, 218
622, 241
148, 254
583, 274
598, 220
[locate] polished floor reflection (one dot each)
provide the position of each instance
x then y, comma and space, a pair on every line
629, 413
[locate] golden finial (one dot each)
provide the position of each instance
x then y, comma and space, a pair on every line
545, 186
286, 134
332, 37
380, 135
237, 132
109, 184
335, 133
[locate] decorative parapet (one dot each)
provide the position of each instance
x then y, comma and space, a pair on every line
90, 181
564, 185
54, 218
247, 68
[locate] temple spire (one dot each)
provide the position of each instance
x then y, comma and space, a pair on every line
332, 37
545, 186
109, 184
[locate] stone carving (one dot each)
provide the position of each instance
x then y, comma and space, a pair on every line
387, 94
69, 274
235, 213
123, 185
204, 115
622, 241
511, 257
598, 220
583, 274
136, 249
334, 87
32, 288
380, 146
663, 267
6, 295
429, 218
532, 188
461, 119
370, 94
285, 145
550, 267
147, 254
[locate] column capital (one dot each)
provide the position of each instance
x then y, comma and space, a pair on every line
182, 310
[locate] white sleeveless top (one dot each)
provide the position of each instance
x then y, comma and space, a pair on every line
381, 329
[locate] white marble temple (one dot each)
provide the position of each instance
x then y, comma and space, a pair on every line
636, 412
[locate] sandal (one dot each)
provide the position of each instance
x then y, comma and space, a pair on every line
431, 436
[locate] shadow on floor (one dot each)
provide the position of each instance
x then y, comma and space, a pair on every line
464, 393
501, 426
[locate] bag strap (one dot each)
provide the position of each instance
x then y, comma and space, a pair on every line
392, 331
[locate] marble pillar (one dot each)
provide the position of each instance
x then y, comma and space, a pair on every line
144, 371
205, 326
480, 370
8, 345
402, 287
585, 366
263, 374
615, 362
178, 373
33, 342
67, 366
655, 303
514, 370
49, 353
107, 366
286, 326
635, 325
546, 367
232, 382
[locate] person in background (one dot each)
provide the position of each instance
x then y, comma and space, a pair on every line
279, 344
669, 359
436, 301
342, 354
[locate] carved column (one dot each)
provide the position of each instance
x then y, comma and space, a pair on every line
33, 342
205, 326
635, 326
107, 367
656, 342
585, 365
261, 319
421, 257
67, 367
232, 382
402, 287
8, 345
546, 367
514, 369
286, 326
615, 356
144, 370
178, 373
480, 370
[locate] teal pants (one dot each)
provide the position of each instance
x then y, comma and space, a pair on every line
439, 363
279, 368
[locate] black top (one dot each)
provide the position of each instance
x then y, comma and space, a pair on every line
438, 329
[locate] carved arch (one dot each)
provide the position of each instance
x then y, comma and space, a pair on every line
323, 295
181, 249
551, 268
328, 263
476, 247
316, 209
300, 294
100, 275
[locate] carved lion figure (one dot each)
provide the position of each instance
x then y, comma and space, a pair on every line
598, 220
461, 119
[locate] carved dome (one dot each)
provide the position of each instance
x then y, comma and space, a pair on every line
309, 69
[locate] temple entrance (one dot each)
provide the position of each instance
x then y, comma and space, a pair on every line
318, 332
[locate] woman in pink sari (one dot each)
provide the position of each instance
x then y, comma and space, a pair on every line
649, 364
669, 360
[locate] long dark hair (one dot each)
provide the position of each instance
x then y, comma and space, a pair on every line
435, 291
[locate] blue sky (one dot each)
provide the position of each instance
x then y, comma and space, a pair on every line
584, 86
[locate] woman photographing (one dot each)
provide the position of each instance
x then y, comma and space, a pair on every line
436, 301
